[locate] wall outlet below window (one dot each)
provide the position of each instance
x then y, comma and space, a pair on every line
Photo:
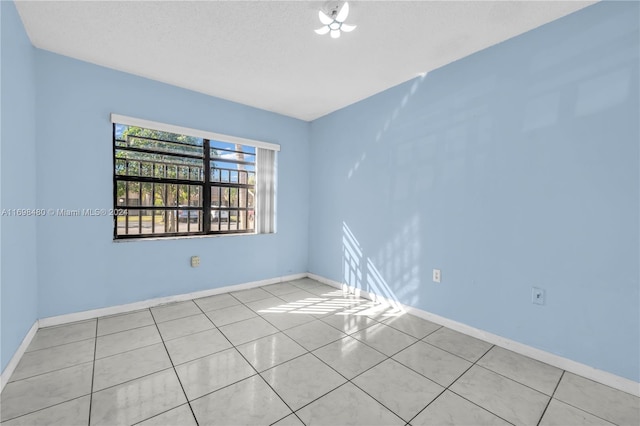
195, 261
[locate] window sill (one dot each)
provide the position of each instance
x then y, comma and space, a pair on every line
186, 237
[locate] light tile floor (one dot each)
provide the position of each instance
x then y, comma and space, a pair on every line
295, 353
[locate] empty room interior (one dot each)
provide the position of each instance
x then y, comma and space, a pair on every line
320, 213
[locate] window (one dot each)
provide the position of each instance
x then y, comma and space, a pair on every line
170, 181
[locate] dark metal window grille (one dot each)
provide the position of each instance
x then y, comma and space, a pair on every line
167, 185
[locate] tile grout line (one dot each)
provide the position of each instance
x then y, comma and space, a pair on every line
550, 398
135, 378
57, 346
128, 350
49, 372
127, 329
47, 407
587, 412
93, 373
174, 370
514, 380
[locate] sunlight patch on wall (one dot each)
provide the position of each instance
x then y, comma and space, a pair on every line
361, 273
403, 103
352, 257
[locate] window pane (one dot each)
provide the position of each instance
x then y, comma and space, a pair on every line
251, 224
233, 219
242, 197
220, 196
133, 222
146, 169
121, 225
158, 194
189, 220
170, 221
146, 194
120, 191
250, 198
171, 195
194, 196
131, 194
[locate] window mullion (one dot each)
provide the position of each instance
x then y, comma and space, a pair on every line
206, 197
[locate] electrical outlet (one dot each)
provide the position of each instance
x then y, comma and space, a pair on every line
436, 275
537, 296
195, 261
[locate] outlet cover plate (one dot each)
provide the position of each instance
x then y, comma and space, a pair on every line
537, 296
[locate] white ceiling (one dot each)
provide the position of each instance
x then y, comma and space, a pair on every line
266, 54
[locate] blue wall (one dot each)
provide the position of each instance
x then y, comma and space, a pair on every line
511, 168
80, 266
18, 276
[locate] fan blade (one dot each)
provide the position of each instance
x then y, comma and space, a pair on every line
348, 28
324, 18
323, 30
335, 33
344, 12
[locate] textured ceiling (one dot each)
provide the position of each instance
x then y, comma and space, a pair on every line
266, 54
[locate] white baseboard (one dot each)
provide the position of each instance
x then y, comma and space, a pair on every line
17, 356
145, 304
563, 363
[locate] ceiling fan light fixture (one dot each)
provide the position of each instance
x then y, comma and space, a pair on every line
333, 18
324, 18
347, 28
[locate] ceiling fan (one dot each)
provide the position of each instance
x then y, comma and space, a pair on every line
333, 18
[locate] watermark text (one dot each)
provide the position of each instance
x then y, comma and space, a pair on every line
62, 212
